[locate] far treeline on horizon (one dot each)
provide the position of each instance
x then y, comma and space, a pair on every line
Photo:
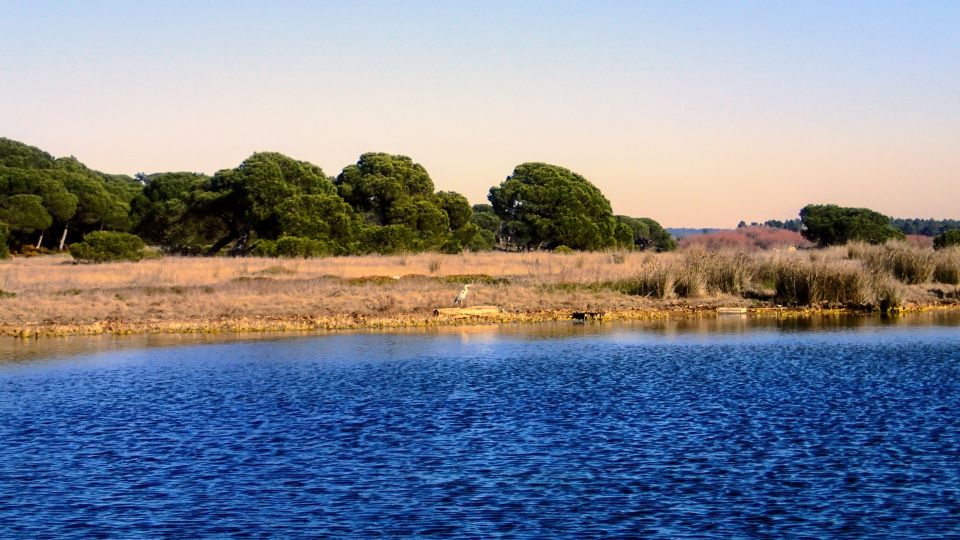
276, 206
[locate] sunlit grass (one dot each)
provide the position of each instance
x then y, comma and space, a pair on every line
177, 290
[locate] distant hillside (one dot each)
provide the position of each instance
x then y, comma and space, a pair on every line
680, 232
746, 239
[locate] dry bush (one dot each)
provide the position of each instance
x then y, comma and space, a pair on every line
947, 266
745, 239
691, 274
889, 293
909, 264
729, 273
695, 274
859, 250
652, 281
919, 241
810, 284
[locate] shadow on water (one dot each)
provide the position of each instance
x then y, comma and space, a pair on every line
674, 329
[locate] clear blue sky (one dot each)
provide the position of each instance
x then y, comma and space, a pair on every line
693, 113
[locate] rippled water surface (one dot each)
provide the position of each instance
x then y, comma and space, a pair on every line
712, 429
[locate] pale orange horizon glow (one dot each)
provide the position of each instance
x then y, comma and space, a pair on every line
696, 116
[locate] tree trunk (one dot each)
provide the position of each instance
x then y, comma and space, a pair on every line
240, 248
63, 239
214, 249
40, 241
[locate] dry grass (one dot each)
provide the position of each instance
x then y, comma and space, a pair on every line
286, 292
54, 289
947, 266
903, 261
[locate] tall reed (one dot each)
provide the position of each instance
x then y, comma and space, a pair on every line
655, 281
948, 266
909, 264
804, 283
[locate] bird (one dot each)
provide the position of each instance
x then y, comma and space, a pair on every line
462, 296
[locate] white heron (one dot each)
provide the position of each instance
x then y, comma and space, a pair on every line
462, 296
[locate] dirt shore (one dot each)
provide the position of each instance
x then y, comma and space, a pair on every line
360, 322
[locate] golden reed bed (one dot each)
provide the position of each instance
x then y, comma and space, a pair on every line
53, 296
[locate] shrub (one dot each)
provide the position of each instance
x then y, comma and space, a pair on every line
562, 249
451, 247
264, 248
296, 246
463, 279
106, 246
484, 240
4, 233
390, 239
947, 239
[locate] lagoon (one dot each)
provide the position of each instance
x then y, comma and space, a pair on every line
718, 427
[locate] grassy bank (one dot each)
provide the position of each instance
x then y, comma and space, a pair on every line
53, 296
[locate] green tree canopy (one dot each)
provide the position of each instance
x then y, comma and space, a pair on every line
171, 212
73, 195
246, 198
94, 202
829, 224
393, 191
458, 209
646, 233
48, 184
947, 239
460, 215
543, 205
383, 187
660, 239
639, 231
24, 213
4, 233
327, 218
486, 218
104, 199
17, 155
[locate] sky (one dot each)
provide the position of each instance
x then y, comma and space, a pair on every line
696, 114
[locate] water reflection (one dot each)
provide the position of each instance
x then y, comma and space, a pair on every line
673, 329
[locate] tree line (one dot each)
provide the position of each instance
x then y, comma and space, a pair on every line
830, 225
917, 226
274, 205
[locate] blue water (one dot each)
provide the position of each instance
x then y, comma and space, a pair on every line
552, 431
